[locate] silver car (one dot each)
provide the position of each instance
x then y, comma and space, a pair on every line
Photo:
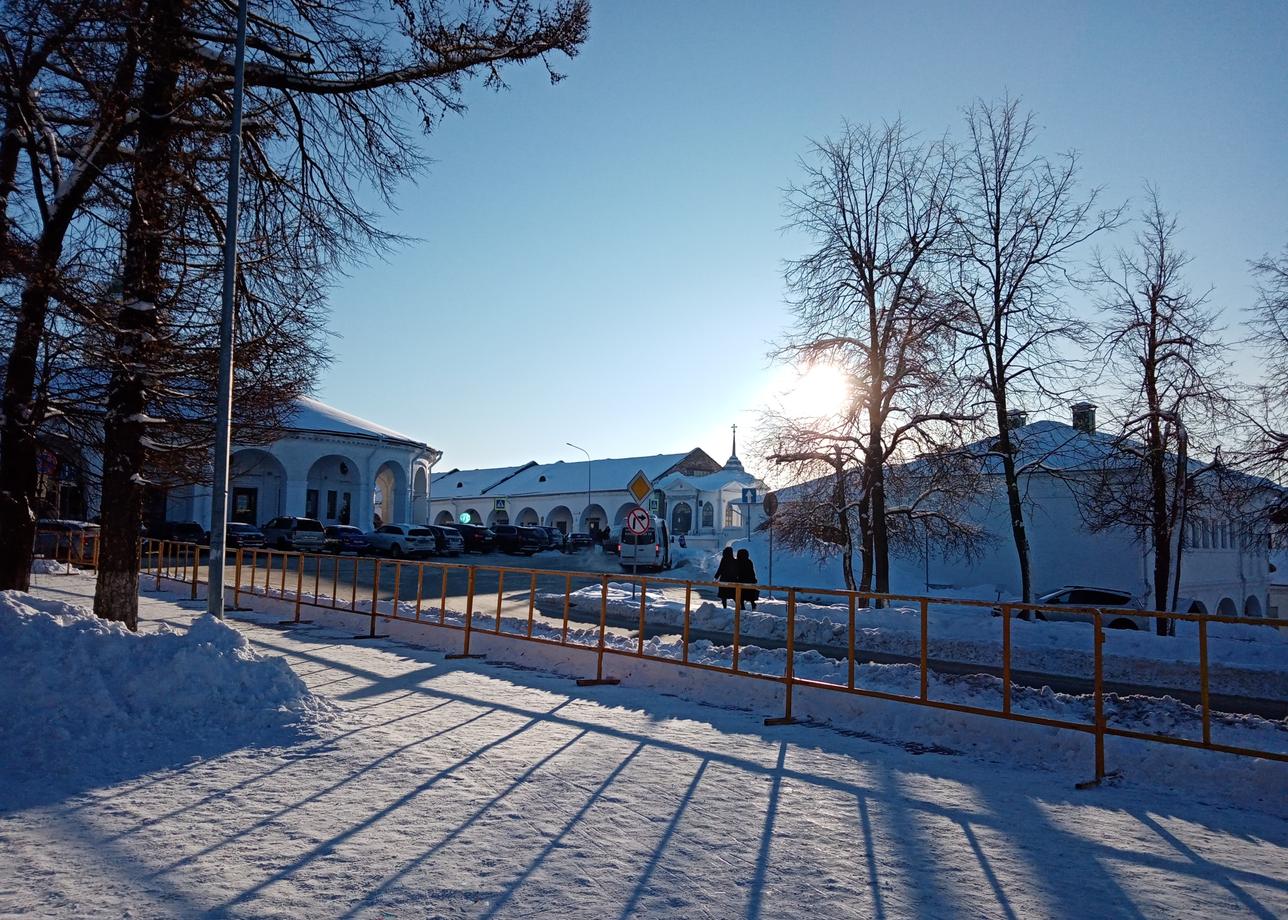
301, 534
397, 540
1119, 609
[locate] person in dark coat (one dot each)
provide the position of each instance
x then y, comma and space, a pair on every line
727, 573
746, 572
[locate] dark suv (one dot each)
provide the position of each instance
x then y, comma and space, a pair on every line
478, 539
519, 541
184, 532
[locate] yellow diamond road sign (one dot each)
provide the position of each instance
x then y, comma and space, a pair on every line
640, 486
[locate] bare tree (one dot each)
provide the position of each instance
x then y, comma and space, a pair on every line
1020, 219
875, 205
329, 89
1161, 343
1267, 451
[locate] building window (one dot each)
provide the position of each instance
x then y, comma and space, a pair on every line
681, 518
708, 516
311, 504
331, 499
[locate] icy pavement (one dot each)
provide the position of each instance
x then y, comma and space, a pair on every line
469, 789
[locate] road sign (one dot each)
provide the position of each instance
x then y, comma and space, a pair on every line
638, 521
499, 504
749, 496
771, 503
640, 486
652, 505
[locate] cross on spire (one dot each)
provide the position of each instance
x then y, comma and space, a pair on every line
734, 428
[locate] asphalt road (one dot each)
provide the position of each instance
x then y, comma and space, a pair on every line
498, 587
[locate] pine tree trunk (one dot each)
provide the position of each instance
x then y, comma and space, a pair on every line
116, 596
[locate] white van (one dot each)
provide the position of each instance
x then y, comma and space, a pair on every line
650, 551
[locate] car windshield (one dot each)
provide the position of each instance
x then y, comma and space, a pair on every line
419, 532
644, 539
308, 524
241, 528
341, 530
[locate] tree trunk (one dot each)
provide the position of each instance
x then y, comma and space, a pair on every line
865, 536
116, 596
18, 447
1006, 448
841, 503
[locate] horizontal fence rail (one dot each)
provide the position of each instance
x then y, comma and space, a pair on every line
608, 624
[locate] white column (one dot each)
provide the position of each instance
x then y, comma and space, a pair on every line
296, 494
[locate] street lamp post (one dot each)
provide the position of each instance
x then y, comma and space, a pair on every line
224, 410
587, 453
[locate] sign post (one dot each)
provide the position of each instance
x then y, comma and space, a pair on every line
770, 505
638, 522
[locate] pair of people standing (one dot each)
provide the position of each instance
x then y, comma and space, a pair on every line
733, 571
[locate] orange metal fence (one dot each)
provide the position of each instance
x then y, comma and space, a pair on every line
313, 580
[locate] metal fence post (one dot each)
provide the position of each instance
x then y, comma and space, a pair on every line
237, 580
789, 669
1203, 680
1006, 659
375, 594
1099, 703
599, 677
469, 617
196, 567
925, 627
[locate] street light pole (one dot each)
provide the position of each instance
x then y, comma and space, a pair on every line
587, 453
224, 408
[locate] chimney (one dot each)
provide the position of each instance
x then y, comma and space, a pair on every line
1084, 417
1016, 418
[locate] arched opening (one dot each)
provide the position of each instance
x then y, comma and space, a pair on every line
1252, 606
527, 517
1226, 608
332, 485
620, 517
420, 494
500, 516
733, 515
389, 499
681, 518
1198, 607
560, 517
708, 516
473, 515
256, 486
444, 518
594, 518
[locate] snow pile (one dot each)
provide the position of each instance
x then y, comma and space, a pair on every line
77, 691
51, 567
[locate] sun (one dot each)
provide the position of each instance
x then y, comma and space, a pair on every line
817, 391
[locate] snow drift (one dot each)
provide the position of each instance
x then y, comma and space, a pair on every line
78, 692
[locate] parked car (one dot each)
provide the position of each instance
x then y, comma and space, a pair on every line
448, 541
517, 541
345, 538
295, 533
184, 532
397, 540
56, 537
542, 537
238, 535
1121, 609
580, 543
558, 539
478, 539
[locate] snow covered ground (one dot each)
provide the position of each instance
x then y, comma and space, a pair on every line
472, 789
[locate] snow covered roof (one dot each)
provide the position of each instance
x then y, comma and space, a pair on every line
316, 416
608, 475
711, 482
611, 474
472, 483
1053, 445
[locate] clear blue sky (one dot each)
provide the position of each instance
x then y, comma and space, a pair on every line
629, 217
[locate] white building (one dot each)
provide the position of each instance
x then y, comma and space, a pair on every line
708, 503
1225, 558
327, 464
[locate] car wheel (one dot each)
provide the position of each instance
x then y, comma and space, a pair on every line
1123, 623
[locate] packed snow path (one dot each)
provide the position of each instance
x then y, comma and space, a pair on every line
470, 789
